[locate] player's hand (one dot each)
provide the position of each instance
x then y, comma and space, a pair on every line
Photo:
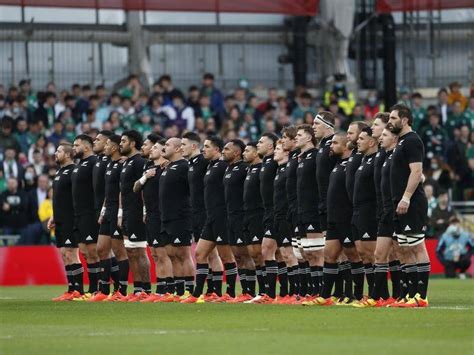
150, 173
144, 218
101, 218
164, 164
51, 223
119, 222
402, 207
6, 207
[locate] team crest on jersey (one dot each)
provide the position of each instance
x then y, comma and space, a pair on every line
109, 172
351, 159
320, 150
75, 170
377, 155
254, 170
173, 167
57, 178
66, 172
97, 164
369, 161
309, 155
227, 176
191, 168
334, 170
84, 163
401, 142
236, 168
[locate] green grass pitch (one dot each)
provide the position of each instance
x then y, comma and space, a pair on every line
31, 324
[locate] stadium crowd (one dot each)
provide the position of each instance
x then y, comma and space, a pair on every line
34, 123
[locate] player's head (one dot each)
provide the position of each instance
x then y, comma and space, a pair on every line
250, 152
100, 141
323, 124
388, 139
266, 144
281, 154
112, 145
233, 150
172, 149
400, 117
366, 140
353, 133
305, 136
130, 142
288, 137
150, 140
82, 146
380, 121
156, 150
190, 143
213, 146
64, 153
339, 144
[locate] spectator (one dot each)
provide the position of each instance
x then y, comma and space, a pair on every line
180, 115
469, 113
39, 145
434, 138
441, 173
143, 125
7, 139
455, 249
38, 162
357, 114
209, 89
14, 205
419, 112
240, 99
345, 99
432, 202
455, 95
167, 89
30, 178
11, 167
441, 214
304, 104
193, 98
204, 110
456, 155
127, 113
22, 135
45, 211
456, 119
133, 88
443, 106
372, 106
45, 112
103, 113
58, 133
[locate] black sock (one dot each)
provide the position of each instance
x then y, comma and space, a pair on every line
114, 273
160, 286
231, 277
423, 278
345, 270
124, 267
370, 276
137, 287
146, 287
330, 275
201, 276
283, 278
217, 277
271, 271
303, 278
338, 282
179, 285
77, 272
314, 280
209, 284
403, 281
170, 285
358, 273
380, 289
243, 280
412, 277
104, 279
70, 278
93, 273
260, 280
293, 280
251, 281
189, 283
395, 276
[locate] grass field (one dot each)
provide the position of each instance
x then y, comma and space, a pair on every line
31, 324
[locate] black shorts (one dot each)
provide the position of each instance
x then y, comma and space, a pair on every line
153, 231
86, 228
176, 233
65, 236
134, 228
385, 228
340, 231
414, 222
215, 228
323, 221
109, 226
253, 228
308, 228
364, 223
235, 230
283, 232
198, 222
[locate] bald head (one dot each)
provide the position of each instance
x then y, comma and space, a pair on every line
173, 150
339, 145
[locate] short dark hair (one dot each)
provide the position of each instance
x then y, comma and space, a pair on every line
308, 129
327, 116
162, 141
67, 147
403, 112
49, 94
360, 125
165, 77
252, 144
134, 136
152, 137
209, 76
216, 142
115, 138
367, 130
383, 116
416, 95
192, 136
106, 133
239, 144
85, 138
290, 131
271, 136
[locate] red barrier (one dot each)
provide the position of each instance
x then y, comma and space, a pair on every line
21, 266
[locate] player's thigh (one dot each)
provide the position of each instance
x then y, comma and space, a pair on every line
383, 249
332, 250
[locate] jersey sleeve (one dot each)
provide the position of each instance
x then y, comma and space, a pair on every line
414, 151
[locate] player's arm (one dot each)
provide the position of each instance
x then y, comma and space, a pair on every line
102, 212
120, 211
416, 173
50, 225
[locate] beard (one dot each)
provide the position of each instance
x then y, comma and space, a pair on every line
125, 151
395, 129
78, 155
352, 145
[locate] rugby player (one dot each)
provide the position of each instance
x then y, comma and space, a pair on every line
63, 220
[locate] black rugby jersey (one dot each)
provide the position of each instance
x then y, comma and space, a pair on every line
352, 165
63, 210
291, 194
379, 160
112, 183
234, 179
364, 186
409, 150
325, 162
98, 180
197, 169
307, 186
338, 203
151, 191
267, 175
82, 188
174, 193
280, 201
252, 198
132, 170
214, 186
385, 185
